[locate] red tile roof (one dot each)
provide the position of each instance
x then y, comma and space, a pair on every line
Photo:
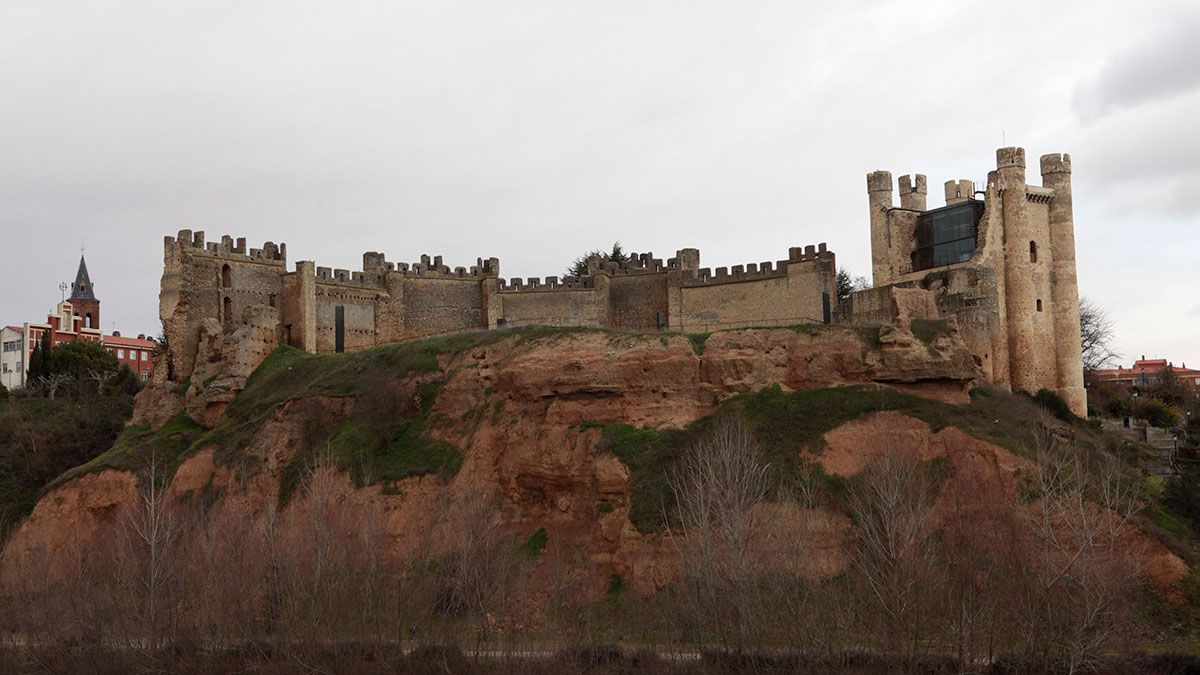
122, 341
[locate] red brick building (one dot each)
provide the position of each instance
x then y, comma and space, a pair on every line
1147, 373
77, 318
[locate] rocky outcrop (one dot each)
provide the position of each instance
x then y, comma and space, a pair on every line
532, 441
524, 411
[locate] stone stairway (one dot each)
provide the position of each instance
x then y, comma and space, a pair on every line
1163, 441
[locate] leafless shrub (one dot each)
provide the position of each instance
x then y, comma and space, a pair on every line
725, 541
1082, 566
894, 550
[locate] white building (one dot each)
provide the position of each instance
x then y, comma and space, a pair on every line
12, 357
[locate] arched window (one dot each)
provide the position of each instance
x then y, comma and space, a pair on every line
87, 321
1039, 304
1033, 251
226, 276
227, 307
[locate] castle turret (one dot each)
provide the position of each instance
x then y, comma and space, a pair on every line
913, 193
1064, 290
1026, 279
879, 192
958, 191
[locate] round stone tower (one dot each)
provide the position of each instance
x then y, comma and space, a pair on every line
1028, 296
1064, 289
879, 193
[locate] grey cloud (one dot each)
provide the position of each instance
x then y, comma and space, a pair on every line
534, 130
1164, 63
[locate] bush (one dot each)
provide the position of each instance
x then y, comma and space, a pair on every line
1051, 401
1159, 413
1120, 407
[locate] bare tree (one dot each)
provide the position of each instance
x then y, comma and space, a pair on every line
1082, 567
102, 377
151, 533
1096, 336
50, 384
476, 576
894, 552
717, 486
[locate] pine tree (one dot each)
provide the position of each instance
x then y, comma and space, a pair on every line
39, 360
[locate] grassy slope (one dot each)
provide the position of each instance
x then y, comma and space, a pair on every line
784, 422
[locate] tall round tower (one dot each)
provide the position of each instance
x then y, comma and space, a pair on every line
1026, 279
1064, 289
879, 193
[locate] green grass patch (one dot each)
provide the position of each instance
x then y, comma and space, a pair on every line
698, 340
138, 445
786, 422
649, 454
535, 543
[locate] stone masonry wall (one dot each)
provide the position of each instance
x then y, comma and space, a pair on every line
387, 302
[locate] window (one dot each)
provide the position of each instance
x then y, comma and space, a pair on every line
226, 276
1033, 251
1039, 304
145, 375
120, 353
947, 235
227, 308
145, 356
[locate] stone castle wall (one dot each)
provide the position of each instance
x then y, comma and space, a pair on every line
389, 302
1015, 302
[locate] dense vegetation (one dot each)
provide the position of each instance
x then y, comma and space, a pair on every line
78, 401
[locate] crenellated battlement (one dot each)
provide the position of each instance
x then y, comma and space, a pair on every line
757, 271
327, 309
518, 285
227, 247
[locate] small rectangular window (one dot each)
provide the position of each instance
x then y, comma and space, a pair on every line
1039, 304
145, 355
121, 353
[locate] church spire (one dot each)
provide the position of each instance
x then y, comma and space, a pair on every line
82, 288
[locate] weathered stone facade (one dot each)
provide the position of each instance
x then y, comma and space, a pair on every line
1015, 299
1009, 290
323, 310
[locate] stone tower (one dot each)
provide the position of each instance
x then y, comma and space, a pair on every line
83, 297
1064, 288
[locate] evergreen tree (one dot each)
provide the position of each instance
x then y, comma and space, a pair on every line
579, 267
39, 360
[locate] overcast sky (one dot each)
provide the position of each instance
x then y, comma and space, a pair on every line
532, 131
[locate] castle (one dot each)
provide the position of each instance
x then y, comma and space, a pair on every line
1002, 266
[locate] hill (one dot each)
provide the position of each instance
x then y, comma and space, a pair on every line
807, 487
